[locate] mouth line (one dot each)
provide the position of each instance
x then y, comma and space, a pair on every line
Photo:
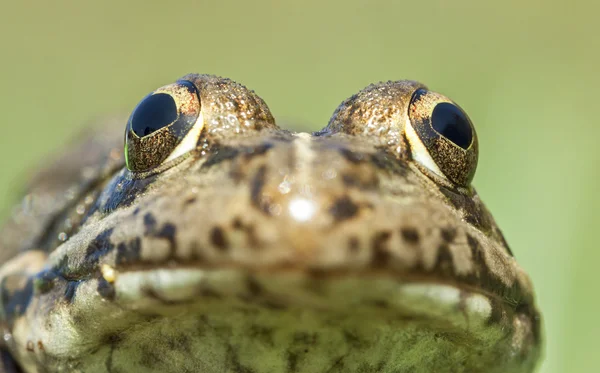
419, 296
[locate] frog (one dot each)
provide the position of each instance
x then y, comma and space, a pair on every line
208, 239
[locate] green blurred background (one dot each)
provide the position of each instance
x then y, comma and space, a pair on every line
526, 72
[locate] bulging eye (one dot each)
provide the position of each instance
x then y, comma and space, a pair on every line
441, 136
163, 126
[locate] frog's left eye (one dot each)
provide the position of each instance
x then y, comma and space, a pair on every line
441, 137
164, 125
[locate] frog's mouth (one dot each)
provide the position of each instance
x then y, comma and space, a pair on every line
367, 313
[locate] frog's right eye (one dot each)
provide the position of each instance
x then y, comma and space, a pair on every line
163, 126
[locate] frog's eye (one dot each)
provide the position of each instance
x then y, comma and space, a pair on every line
163, 126
441, 136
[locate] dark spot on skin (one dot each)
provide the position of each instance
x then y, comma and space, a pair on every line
354, 340
256, 190
189, 201
476, 253
180, 343
292, 361
304, 338
129, 252
381, 255
106, 289
232, 356
353, 244
360, 181
218, 239
237, 223
99, 247
410, 235
387, 162
351, 156
444, 261
448, 234
149, 223
343, 208
168, 232
262, 334
249, 230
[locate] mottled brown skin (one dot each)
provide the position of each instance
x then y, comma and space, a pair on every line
293, 239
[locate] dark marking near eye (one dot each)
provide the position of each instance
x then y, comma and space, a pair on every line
221, 154
410, 235
256, 189
123, 190
448, 234
217, 237
388, 162
343, 208
227, 153
106, 289
381, 255
474, 212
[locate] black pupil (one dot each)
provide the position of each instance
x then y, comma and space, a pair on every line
153, 113
449, 121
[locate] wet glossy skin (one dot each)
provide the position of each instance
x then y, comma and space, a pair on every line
361, 248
